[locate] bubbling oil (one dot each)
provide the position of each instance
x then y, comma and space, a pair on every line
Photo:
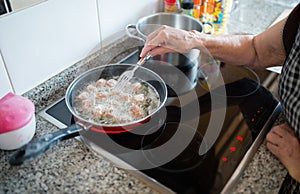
98, 103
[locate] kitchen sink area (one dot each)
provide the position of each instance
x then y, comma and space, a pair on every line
73, 167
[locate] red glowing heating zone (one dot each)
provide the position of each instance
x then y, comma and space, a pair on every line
233, 148
240, 138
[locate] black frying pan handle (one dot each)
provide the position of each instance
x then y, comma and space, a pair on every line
38, 146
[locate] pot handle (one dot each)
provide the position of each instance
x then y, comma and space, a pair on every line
128, 32
38, 146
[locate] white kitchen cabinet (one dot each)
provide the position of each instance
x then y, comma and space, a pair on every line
5, 85
41, 41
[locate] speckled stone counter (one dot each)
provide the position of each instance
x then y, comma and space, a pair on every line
71, 167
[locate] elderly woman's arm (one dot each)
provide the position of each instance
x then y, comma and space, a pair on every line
263, 50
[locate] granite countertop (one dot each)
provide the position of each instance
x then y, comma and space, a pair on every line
71, 167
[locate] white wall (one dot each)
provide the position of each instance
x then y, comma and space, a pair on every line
41, 41
115, 15
21, 4
5, 85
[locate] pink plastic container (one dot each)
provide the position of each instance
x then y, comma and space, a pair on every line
17, 121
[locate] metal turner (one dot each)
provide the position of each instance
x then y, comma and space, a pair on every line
127, 75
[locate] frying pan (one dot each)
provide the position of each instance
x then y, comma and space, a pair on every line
82, 125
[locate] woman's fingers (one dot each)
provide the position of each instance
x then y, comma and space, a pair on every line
153, 41
282, 130
168, 39
278, 140
285, 145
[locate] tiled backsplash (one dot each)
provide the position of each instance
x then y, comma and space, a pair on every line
39, 42
115, 15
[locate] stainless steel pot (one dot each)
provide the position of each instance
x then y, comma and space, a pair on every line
149, 24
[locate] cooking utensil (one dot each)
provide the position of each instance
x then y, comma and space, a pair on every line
127, 75
148, 24
191, 62
84, 125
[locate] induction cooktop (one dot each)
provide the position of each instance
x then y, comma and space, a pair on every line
203, 138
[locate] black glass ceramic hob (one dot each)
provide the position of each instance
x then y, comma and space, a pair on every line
202, 139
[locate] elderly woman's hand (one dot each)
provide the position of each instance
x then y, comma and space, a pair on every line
284, 144
168, 39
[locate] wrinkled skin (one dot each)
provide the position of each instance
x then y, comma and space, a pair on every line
284, 144
256, 51
167, 39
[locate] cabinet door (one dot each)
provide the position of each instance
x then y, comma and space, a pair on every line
5, 86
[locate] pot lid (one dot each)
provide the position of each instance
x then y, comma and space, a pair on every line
15, 112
